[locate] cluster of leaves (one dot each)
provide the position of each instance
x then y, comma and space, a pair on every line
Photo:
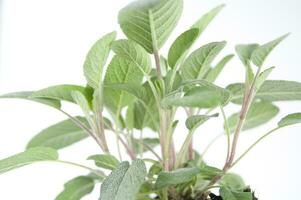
139, 96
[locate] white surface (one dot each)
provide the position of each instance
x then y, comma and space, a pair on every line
45, 42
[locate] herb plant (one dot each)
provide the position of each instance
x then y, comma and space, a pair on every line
136, 93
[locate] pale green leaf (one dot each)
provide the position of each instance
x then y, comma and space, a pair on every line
181, 45
261, 53
175, 177
62, 92
259, 113
215, 72
59, 135
96, 59
150, 142
233, 182
227, 194
290, 119
150, 22
195, 121
124, 182
27, 157
27, 96
199, 62
105, 161
271, 90
245, 51
77, 188
263, 77
120, 71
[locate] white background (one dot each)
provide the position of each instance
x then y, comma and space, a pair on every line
44, 43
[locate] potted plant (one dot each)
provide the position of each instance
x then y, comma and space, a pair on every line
130, 93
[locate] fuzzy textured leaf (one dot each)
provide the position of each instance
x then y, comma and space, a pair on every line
59, 135
150, 22
27, 157
96, 59
105, 161
124, 182
196, 120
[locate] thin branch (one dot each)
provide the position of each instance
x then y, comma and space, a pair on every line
158, 65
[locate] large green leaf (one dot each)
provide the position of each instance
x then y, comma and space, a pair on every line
121, 71
259, 113
233, 182
62, 92
175, 177
105, 161
290, 119
228, 194
96, 59
199, 62
271, 90
215, 72
27, 157
181, 45
27, 96
261, 53
124, 182
77, 188
59, 135
195, 121
150, 22
133, 52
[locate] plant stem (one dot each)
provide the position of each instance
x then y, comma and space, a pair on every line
227, 131
158, 65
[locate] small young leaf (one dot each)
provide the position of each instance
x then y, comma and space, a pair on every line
196, 120
105, 161
181, 45
227, 194
27, 157
61, 92
208, 172
198, 63
290, 119
77, 188
271, 90
261, 53
27, 96
150, 142
175, 177
245, 51
233, 181
150, 23
259, 113
124, 182
59, 135
214, 72
262, 77
134, 53
96, 59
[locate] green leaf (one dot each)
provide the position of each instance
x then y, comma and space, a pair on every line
233, 181
259, 113
195, 121
227, 194
181, 45
198, 63
27, 96
61, 92
175, 177
96, 59
105, 161
150, 142
120, 71
150, 22
271, 90
208, 172
134, 53
263, 77
27, 157
261, 53
201, 94
59, 135
290, 119
205, 20
215, 72
245, 51
77, 188
124, 182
